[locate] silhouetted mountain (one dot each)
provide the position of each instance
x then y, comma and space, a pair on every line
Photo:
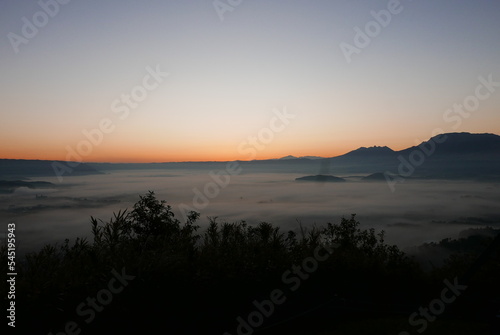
483, 145
13, 169
444, 144
311, 157
288, 157
364, 160
301, 157
456, 156
370, 152
448, 156
321, 178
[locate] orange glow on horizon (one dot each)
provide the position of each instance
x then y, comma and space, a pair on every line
152, 157
198, 151
155, 154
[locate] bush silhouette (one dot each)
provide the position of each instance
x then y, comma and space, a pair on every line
211, 275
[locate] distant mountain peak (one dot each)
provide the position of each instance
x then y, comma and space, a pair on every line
321, 178
460, 143
301, 157
288, 157
311, 157
375, 150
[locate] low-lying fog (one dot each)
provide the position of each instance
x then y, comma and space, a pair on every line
417, 212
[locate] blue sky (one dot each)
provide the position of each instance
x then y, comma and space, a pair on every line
226, 77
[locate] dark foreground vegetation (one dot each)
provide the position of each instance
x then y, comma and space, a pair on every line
145, 272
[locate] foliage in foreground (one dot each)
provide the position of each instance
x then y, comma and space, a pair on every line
212, 277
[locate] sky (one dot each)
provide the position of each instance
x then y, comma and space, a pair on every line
160, 81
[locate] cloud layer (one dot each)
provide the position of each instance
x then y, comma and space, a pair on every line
417, 212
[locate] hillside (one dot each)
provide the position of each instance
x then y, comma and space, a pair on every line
13, 169
447, 156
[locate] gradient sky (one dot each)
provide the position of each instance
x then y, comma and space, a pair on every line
226, 77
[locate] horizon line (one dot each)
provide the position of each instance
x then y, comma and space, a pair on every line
239, 160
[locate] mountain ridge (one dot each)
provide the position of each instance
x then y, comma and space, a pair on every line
471, 155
